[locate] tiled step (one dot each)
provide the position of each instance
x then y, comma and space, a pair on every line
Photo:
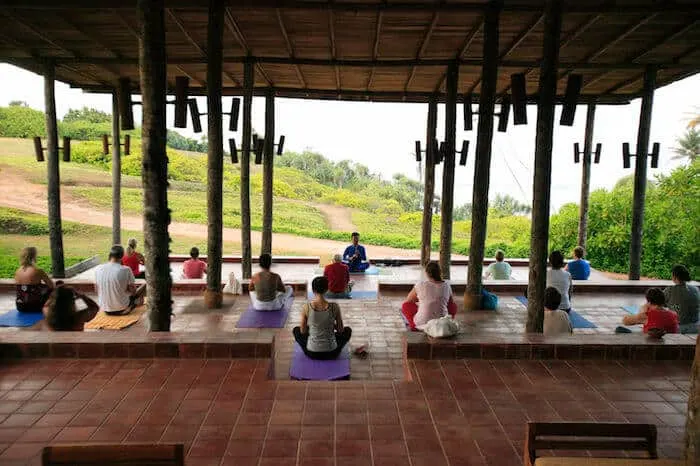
537, 347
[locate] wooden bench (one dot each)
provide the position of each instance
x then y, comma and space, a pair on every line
587, 436
112, 455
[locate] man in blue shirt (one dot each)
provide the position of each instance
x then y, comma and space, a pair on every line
355, 256
579, 268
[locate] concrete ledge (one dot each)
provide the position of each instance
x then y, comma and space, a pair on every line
536, 346
180, 287
81, 267
237, 259
91, 345
401, 261
519, 286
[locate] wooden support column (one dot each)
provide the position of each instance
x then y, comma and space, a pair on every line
268, 164
429, 183
482, 160
248, 82
692, 419
154, 169
640, 173
215, 155
586, 176
448, 170
116, 173
539, 232
54, 177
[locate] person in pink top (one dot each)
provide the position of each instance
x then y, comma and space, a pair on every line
429, 299
194, 268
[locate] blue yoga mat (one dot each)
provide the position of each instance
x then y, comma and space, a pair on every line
370, 271
265, 319
631, 309
305, 368
577, 320
14, 318
363, 294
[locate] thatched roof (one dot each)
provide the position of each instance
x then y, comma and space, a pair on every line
360, 49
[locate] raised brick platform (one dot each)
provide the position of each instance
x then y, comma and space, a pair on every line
529, 346
519, 287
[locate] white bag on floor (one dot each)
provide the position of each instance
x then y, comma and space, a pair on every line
233, 286
441, 328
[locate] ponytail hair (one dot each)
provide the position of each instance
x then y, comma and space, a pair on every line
27, 257
131, 246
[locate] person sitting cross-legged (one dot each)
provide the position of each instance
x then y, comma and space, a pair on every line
134, 259
429, 299
656, 318
33, 284
116, 290
556, 321
267, 291
62, 314
579, 268
338, 276
355, 256
499, 270
194, 268
560, 279
321, 334
683, 298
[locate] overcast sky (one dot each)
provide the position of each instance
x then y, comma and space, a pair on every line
382, 136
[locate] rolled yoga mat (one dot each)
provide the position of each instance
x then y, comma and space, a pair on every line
14, 318
305, 368
252, 318
631, 309
576, 319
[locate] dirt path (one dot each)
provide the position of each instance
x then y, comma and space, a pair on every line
32, 197
338, 218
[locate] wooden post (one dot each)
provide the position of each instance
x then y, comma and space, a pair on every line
54, 177
640, 173
248, 82
268, 165
154, 168
448, 171
116, 173
539, 232
215, 155
482, 160
429, 189
586, 177
692, 419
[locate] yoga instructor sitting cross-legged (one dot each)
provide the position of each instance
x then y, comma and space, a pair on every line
355, 256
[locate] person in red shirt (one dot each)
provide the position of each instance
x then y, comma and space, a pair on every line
338, 276
654, 315
194, 268
133, 259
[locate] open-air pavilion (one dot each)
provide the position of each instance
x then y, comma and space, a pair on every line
483, 57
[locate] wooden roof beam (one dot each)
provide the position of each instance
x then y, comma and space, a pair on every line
573, 35
471, 34
670, 38
512, 46
375, 49
290, 49
26, 25
423, 46
331, 38
235, 30
598, 6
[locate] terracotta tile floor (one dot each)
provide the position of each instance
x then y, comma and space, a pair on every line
228, 412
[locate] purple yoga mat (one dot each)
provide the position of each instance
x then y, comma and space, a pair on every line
305, 368
265, 319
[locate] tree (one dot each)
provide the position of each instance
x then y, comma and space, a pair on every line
505, 205
17, 103
463, 212
688, 146
91, 115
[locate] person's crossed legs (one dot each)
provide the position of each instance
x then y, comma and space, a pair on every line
410, 309
341, 339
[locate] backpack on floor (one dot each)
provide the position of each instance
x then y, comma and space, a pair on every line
489, 301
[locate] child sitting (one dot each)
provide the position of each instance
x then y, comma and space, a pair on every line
556, 321
657, 319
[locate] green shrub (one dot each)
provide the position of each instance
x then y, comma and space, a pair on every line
21, 122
